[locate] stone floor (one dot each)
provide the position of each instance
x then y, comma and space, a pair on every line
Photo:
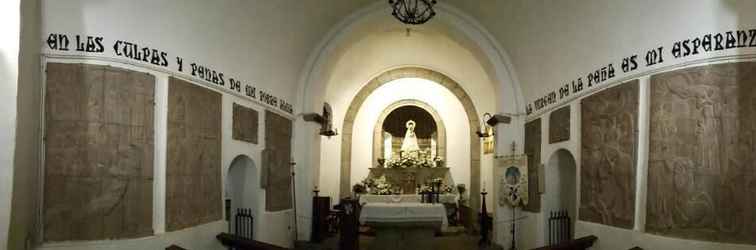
449, 242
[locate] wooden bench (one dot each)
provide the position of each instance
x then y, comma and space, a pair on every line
245, 244
576, 244
174, 247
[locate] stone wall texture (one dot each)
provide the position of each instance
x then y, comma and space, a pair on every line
702, 179
98, 153
533, 151
559, 125
608, 155
193, 172
277, 162
245, 125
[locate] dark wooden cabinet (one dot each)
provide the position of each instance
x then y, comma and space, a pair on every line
321, 209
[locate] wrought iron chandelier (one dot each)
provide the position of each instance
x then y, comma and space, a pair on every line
413, 11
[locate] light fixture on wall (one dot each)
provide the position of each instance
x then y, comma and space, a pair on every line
325, 120
413, 12
486, 128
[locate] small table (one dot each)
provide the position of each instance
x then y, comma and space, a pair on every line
401, 226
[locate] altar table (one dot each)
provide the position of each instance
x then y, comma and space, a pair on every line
404, 198
398, 226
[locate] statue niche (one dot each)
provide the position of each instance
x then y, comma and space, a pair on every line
409, 153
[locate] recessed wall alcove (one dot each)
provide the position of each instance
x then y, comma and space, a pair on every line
430, 126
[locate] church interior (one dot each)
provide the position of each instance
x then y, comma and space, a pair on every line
378, 124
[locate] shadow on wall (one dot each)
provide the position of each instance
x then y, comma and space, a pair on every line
561, 190
243, 190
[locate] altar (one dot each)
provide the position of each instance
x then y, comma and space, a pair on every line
403, 225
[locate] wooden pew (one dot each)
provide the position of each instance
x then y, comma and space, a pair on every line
576, 244
245, 244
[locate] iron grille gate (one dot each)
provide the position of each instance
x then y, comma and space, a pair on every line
560, 228
244, 223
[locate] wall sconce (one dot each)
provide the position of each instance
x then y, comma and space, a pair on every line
486, 129
325, 120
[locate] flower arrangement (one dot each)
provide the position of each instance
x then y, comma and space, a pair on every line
443, 188
414, 160
377, 186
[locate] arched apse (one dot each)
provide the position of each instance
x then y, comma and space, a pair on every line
561, 186
347, 59
410, 72
378, 129
243, 189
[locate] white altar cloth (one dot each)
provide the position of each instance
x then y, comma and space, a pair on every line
403, 198
403, 212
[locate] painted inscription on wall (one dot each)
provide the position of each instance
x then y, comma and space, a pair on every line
609, 142
148, 55
702, 182
692, 46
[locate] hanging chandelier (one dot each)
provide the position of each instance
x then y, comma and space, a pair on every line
413, 11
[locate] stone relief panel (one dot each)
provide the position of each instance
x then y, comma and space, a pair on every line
702, 179
559, 125
245, 124
609, 143
98, 153
277, 162
533, 151
193, 174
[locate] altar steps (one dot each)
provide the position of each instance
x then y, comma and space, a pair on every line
448, 231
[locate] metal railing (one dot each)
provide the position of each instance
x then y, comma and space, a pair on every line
244, 223
560, 227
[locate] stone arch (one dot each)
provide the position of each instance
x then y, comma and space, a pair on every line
378, 135
411, 72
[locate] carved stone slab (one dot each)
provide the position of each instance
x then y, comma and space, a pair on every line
277, 162
559, 125
98, 153
702, 179
193, 174
609, 141
245, 124
533, 151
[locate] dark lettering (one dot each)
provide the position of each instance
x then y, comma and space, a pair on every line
718, 39
696, 45
730, 41
706, 43
742, 38
180, 62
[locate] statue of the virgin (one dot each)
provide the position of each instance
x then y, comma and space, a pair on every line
409, 143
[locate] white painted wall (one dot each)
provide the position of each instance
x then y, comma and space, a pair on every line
199, 237
553, 42
9, 49
441, 99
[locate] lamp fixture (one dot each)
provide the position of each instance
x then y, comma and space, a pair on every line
486, 129
325, 120
413, 12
